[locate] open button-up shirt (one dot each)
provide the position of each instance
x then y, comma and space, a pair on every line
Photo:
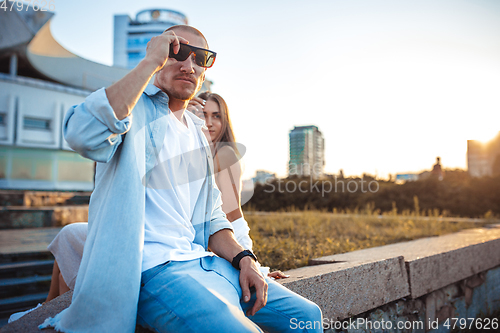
108, 283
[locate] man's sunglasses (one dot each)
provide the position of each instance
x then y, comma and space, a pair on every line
202, 57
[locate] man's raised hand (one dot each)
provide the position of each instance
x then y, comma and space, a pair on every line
159, 46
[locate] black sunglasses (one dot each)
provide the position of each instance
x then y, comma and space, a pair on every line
202, 57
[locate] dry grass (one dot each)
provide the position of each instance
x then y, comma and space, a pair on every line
288, 240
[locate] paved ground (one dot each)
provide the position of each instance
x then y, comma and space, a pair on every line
26, 240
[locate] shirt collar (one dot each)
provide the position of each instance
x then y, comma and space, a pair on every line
152, 90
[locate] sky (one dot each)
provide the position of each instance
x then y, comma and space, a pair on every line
391, 84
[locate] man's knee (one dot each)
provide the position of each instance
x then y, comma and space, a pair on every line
313, 312
309, 319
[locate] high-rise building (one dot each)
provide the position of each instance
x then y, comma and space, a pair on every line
307, 152
131, 36
483, 159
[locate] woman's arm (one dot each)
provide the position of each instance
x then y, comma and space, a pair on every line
228, 179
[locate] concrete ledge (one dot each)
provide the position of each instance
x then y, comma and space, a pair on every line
29, 322
461, 255
435, 262
346, 289
341, 290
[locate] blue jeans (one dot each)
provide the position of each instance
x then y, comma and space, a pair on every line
204, 295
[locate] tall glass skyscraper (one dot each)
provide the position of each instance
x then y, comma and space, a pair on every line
131, 36
307, 152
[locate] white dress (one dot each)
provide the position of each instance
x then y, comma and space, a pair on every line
67, 248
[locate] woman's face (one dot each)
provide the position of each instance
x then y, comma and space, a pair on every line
213, 119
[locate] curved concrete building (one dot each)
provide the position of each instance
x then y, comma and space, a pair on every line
27, 36
39, 81
51, 59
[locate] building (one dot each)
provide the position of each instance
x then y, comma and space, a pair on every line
131, 36
39, 81
483, 159
262, 176
307, 152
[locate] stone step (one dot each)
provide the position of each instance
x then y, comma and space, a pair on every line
17, 217
9, 283
11, 198
26, 268
26, 244
13, 287
24, 284
13, 258
42, 198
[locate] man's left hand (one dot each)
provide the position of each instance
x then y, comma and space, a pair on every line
223, 244
251, 277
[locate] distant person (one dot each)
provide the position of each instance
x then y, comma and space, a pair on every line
159, 249
437, 171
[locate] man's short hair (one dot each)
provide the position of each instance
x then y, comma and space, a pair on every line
188, 28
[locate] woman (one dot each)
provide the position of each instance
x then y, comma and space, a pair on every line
67, 247
227, 164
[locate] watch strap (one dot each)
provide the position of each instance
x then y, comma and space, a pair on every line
241, 255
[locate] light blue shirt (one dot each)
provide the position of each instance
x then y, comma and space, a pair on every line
108, 283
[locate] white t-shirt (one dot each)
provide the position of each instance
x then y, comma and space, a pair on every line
174, 187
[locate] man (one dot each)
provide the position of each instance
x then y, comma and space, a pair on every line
152, 236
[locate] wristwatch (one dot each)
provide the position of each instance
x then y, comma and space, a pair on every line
239, 256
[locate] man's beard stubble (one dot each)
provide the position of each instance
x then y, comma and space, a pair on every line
180, 95
172, 93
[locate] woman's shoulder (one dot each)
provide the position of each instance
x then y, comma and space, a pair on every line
226, 157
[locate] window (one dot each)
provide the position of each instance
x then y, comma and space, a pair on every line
136, 55
2, 119
36, 123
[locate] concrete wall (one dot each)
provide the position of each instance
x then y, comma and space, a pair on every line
418, 284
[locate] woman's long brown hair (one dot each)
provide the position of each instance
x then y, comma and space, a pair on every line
226, 135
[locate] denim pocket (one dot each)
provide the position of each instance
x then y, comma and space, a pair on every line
152, 272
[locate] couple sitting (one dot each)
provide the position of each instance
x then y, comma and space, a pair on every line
160, 248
